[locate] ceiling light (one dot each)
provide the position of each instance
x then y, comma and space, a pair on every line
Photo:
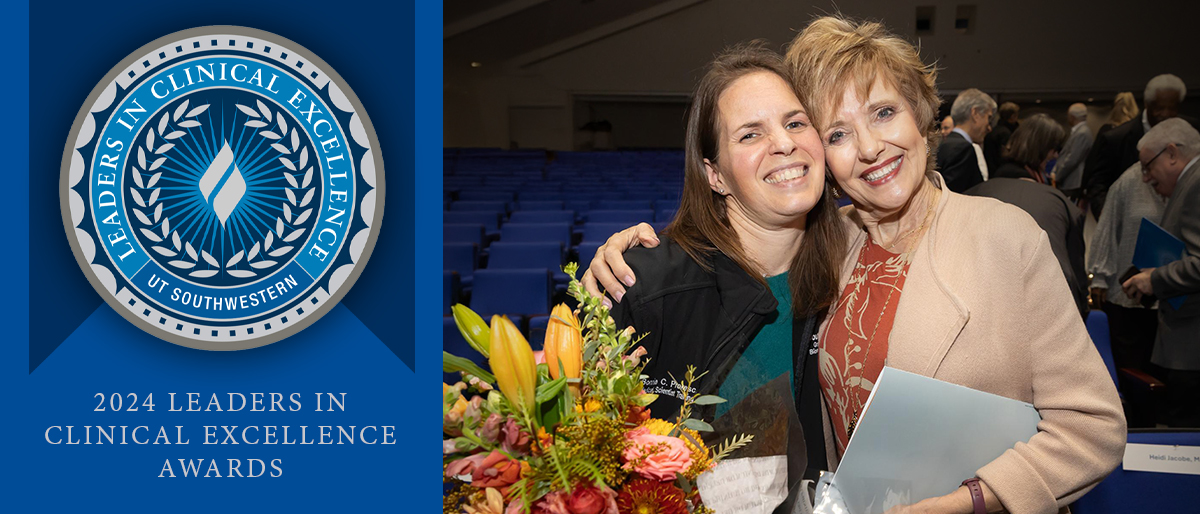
476, 64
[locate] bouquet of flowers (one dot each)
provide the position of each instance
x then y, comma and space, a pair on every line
569, 433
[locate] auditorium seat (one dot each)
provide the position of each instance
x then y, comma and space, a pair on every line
479, 206
620, 216
489, 219
517, 293
542, 217
536, 233
508, 255
1097, 327
462, 258
463, 233
585, 252
624, 205
539, 205
664, 215
600, 232
486, 196
450, 290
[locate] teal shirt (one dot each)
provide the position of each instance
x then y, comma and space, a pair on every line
769, 354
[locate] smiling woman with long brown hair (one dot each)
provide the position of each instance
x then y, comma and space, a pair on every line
750, 258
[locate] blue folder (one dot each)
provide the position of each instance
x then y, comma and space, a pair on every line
1156, 247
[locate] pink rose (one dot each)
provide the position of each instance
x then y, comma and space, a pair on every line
658, 457
592, 500
465, 465
539, 357
448, 447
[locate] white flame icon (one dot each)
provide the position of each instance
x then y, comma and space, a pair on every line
222, 184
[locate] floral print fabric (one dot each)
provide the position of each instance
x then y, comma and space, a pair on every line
858, 335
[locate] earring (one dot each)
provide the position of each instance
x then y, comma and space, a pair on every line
721, 190
835, 191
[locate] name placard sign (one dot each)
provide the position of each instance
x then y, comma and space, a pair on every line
1162, 458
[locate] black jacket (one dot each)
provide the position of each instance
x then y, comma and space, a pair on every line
958, 164
691, 316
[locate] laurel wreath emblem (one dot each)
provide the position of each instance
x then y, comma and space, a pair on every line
170, 243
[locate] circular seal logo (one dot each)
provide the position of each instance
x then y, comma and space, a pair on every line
222, 188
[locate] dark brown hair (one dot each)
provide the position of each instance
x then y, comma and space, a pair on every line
1033, 141
701, 226
834, 51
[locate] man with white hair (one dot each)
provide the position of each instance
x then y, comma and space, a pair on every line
1115, 150
957, 158
1169, 154
1068, 171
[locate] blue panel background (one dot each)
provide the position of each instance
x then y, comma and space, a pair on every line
372, 47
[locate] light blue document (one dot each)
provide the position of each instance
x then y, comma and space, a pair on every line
920, 437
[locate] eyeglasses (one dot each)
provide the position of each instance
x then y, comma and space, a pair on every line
1146, 167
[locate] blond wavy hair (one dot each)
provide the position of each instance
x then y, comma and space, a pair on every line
1124, 108
835, 52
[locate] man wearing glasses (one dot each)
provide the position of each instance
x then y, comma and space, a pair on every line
958, 159
1169, 153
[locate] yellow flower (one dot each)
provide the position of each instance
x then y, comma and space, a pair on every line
658, 426
472, 327
512, 363
564, 343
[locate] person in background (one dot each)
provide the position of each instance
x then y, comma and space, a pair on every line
994, 143
1168, 154
1068, 171
1131, 325
957, 158
1033, 144
947, 125
1115, 150
1124, 109
1028, 156
936, 283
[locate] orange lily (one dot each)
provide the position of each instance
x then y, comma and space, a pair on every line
564, 344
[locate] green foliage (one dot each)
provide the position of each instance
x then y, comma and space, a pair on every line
729, 445
709, 399
453, 363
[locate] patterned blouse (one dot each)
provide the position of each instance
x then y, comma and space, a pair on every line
859, 332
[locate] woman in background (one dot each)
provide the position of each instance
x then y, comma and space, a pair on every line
1124, 109
1032, 146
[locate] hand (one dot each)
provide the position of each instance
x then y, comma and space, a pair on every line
1139, 285
608, 264
1099, 296
948, 504
957, 502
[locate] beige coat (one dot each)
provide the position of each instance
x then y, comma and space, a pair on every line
983, 307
